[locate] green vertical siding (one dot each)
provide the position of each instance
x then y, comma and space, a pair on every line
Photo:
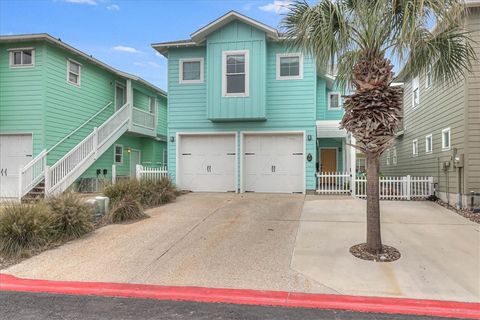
22, 94
236, 36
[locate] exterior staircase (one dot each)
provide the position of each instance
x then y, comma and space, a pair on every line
37, 179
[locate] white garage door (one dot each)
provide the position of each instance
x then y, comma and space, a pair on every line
273, 163
15, 153
207, 163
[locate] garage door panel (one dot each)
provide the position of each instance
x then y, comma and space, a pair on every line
273, 163
207, 163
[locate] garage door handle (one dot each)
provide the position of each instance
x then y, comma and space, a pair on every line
209, 168
186, 154
230, 153
298, 153
1, 172
249, 153
273, 168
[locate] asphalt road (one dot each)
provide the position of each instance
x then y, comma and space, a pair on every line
39, 306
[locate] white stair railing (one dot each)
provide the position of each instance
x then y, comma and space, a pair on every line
66, 170
32, 173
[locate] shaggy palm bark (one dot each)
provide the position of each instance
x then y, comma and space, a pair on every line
372, 115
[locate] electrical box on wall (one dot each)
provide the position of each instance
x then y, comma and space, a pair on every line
445, 165
458, 161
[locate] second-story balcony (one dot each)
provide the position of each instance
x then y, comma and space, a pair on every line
142, 122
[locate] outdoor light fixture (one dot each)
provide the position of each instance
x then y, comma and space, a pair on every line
172, 139
309, 137
129, 150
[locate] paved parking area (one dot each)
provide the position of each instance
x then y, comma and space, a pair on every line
276, 242
211, 240
440, 250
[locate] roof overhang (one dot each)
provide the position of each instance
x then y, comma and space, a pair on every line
330, 129
59, 43
199, 37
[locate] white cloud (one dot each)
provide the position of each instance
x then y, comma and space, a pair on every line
158, 54
147, 64
277, 6
91, 2
113, 7
125, 49
139, 64
153, 64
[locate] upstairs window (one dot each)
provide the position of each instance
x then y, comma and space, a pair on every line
235, 73
361, 165
22, 57
415, 147
415, 93
388, 157
334, 100
446, 139
428, 144
289, 66
118, 154
428, 77
394, 155
191, 70
73, 72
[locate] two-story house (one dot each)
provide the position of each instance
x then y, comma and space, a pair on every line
248, 113
66, 117
441, 129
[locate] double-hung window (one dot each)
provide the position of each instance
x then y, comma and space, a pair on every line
429, 144
394, 155
73, 72
428, 77
289, 66
334, 100
152, 104
24, 57
118, 154
191, 70
415, 92
388, 157
446, 139
415, 147
235, 73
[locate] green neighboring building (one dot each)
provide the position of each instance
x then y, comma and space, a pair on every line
441, 130
52, 99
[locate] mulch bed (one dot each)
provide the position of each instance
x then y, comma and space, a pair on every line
466, 213
388, 253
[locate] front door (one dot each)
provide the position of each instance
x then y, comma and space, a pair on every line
15, 153
328, 160
120, 97
134, 160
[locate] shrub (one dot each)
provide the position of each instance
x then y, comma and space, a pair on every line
148, 193
23, 228
127, 209
70, 217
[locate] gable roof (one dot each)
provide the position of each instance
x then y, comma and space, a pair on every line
59, 43
199, 36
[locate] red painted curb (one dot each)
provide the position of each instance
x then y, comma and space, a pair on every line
251, 297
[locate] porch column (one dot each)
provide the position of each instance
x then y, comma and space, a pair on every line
353, 155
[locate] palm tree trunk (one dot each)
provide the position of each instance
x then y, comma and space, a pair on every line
374, 238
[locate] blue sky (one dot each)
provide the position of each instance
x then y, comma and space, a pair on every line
119, 32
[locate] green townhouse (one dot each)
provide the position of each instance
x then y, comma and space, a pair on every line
247, 113
67, 118
441, 129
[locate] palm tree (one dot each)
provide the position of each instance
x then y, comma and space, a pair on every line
362, 37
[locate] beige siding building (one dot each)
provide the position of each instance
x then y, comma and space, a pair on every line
441, 130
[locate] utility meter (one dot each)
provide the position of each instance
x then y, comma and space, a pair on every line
458, 161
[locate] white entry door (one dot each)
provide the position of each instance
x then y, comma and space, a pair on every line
207, 163
273, 163
135, 158
15, 153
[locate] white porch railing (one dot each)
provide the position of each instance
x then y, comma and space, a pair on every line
66, 170
143, 118
32, 173
391, 188
150, 173
333, 183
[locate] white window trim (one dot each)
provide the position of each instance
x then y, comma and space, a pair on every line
79, 73
415, 85
121, 85
444, 148
300, 66
415, 147
19, 66
115, 153
430, 136
388, 157
180, 74
154, 111
224, 74
394, 155
429, 71
339, 100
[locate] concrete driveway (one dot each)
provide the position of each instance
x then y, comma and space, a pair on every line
440, 250
276, 242
211, 240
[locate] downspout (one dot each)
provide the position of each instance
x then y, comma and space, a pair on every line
459, 194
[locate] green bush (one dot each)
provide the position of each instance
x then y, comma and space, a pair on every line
23, 228
70, 217
127, 209
148, 193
